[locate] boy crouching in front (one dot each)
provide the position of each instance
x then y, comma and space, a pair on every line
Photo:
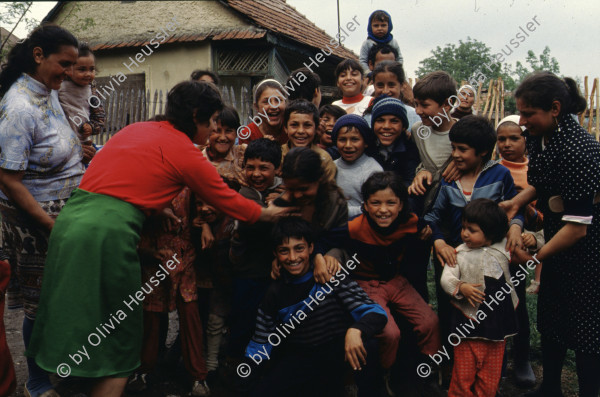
313, 326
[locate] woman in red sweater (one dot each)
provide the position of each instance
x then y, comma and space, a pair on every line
90, 310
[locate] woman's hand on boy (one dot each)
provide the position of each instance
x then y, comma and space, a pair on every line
451, 173
446, 254
418, 185
272, 213
472, 294
513, 238
355, 350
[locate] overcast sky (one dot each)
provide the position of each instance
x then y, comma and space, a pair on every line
571, 29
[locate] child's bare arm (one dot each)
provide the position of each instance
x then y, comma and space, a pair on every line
471, 293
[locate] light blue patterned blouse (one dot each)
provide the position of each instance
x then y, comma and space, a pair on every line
35, 137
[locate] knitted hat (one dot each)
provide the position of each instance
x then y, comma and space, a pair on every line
513, 118
388, 37
389, 106
357, 122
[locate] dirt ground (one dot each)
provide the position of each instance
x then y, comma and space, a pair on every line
172, 382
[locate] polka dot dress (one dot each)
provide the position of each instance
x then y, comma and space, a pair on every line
569, 298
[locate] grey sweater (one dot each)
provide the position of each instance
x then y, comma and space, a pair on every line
350, 178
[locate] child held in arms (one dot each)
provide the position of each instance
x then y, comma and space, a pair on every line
379, 32
74, 94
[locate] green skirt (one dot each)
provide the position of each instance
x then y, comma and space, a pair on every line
89, 322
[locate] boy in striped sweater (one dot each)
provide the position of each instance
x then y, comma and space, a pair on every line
314, 326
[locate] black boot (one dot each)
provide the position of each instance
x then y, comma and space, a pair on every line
524, 376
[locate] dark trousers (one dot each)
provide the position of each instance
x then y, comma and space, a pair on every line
588, 369
521, 340
318, 371
247, 295
190, 331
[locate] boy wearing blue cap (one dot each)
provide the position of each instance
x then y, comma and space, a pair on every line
379, 32
354, 140
395, 152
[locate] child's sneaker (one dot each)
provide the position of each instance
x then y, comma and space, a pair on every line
200, 388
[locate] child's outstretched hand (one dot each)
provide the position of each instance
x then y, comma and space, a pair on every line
355, 350
529, 240
446, 254
473, 295
418, 186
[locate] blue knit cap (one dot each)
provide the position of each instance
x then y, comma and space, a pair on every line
385, 39
389, 106
355, 121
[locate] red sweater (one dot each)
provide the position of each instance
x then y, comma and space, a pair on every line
148, 164
256, 133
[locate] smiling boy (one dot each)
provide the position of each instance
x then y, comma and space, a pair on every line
250, 257
300, 121
313, 326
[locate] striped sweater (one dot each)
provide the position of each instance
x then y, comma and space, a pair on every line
301, 312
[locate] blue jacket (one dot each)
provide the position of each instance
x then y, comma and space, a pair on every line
445, 218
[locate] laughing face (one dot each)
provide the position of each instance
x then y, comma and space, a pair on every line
293, 255
350, 82
383, 207
221, 140
351, 144
51, 70
300, 129
260, 174
84, 71
387, 128
273, 104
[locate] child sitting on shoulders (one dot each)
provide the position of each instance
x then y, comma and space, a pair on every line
308, 357
75, 91
479, 284
300, 121
354, 139
379, 32
349, 77
328, 115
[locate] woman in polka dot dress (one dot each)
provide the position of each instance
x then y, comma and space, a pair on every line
564, 171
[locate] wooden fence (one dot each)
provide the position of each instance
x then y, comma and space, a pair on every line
125, 107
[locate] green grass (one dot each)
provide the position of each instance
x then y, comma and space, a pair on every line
569, 378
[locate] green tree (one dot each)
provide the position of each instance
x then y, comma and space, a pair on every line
463, 61
13, 14
543, 62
